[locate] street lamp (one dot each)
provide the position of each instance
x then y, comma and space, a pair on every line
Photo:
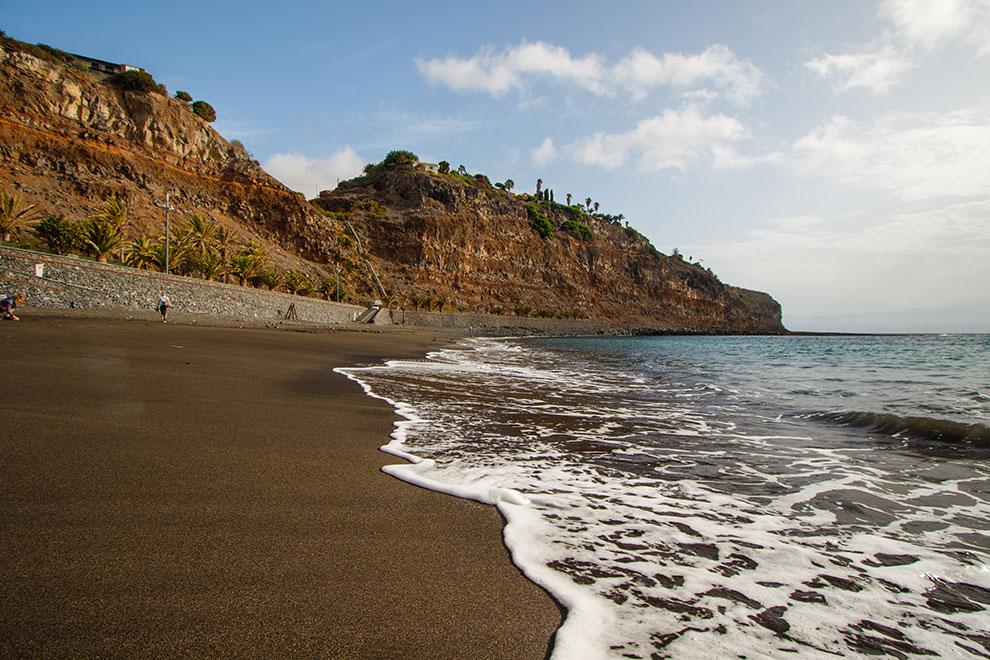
167, 209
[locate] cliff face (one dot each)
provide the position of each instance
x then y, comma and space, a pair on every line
68, 140
474, 247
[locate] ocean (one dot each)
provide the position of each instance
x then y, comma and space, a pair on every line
716, 497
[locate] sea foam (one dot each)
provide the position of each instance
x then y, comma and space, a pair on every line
678, 519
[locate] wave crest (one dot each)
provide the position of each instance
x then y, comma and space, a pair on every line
926, 428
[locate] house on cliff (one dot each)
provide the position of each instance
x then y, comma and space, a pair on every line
102, 66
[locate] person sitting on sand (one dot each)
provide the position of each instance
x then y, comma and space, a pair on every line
164, 304
9, 303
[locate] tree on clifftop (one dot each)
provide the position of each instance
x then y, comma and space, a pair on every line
443, 167
400, 157
204, 110
136, 81
183, 96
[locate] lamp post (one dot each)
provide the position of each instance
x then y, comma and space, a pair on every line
167, 209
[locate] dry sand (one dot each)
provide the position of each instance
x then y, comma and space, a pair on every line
181, 490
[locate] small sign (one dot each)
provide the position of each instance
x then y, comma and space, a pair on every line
39, 270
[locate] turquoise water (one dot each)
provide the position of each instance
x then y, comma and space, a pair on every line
723, 496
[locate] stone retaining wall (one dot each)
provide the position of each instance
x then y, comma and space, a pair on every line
52, 281
56, 282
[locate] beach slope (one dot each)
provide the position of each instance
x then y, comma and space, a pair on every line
179, 490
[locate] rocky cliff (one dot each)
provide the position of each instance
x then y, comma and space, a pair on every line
68, 140
474, 246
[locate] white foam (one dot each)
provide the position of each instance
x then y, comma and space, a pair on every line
593, 535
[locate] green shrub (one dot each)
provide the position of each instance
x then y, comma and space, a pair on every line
60, 234
578, 229
183, 96
443, 167
135, 81
204, 110
400, 157
538, 220
57, 55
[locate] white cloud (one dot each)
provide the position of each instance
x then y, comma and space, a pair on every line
641, 71
542, 59
544, 153
912, 156
307, 175
675, 139
876, 68
929, 23
915, 26
498, 72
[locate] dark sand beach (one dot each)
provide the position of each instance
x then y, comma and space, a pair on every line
183, 490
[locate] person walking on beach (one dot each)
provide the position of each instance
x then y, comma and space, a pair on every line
7, 304
164, 304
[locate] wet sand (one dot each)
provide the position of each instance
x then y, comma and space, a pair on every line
183, 490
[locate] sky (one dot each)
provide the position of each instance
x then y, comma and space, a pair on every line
833, 154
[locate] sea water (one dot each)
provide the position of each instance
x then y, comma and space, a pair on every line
710, 497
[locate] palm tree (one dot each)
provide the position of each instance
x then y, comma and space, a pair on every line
596, 207
224, 240
273, 278
200, 232
13, 218
297, 283
539, 186
101, 238
177, 253
243, 267
509, 184
111, 210
198, 235
587, 203
254, 249
213, 265
114, 212
568, 199
140, 253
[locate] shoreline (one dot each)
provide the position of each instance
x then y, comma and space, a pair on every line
225, 496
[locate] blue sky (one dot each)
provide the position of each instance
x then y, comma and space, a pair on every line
834, 154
